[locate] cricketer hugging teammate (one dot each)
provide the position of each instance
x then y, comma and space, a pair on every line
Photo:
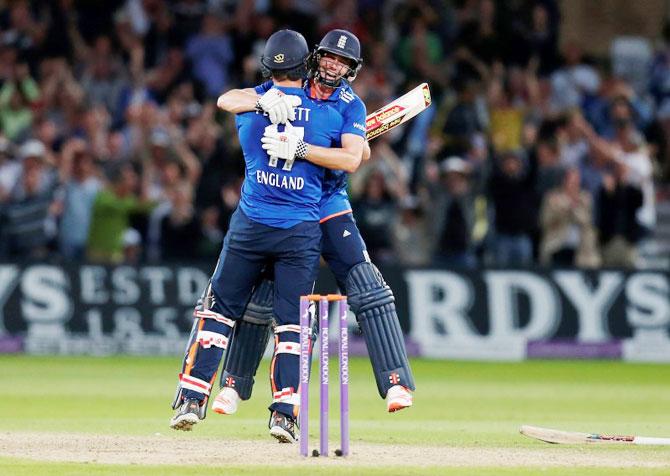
301, 133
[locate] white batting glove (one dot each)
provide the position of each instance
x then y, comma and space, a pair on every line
284, 145
291, 103
279, 107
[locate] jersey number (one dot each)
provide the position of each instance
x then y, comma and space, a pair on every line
299, 131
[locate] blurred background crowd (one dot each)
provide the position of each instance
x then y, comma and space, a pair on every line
534, 153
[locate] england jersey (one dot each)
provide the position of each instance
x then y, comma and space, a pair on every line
335, 200
277, 193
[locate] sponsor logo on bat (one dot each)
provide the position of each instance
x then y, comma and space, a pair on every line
612, 437
379, 118
426, 95
374, 132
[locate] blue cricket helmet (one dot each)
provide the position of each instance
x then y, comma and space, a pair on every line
338, 42
285, 50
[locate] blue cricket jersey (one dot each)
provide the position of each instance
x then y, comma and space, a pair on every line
274, 196
335, 200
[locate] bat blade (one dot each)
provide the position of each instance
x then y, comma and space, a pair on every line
398, 111
574, 438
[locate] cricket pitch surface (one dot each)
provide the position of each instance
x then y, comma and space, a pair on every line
169, 450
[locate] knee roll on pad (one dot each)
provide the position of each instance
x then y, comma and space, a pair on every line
248, 343
372, 301
366, 288
259, 309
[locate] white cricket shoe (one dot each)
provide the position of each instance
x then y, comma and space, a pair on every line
227, 401
397, 398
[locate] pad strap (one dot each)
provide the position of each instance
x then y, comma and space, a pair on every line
286, 395
196, 384
288, 348
287, 328
208, 339
206, 314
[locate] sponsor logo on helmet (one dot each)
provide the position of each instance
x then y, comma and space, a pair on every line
279, 58
342, 41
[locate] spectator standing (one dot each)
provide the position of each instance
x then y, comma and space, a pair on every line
16, 97
112, 210
80, 185
512, 188
104, 77
629, 156
568, 232
375, 212
464, 120
27, 218
211, 54
180, 226
618, 203
630, 149
411, 243
454, 216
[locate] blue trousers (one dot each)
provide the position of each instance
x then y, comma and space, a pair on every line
248, 250
342, 246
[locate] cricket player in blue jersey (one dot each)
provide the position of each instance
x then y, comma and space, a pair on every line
276, 227
332, 65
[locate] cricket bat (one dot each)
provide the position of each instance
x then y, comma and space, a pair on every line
397, 112
575, 438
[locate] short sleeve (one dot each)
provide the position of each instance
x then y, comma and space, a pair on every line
354, 118
263, 88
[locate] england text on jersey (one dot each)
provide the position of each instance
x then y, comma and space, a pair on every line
280, 181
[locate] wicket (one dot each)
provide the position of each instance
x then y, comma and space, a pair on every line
305, 364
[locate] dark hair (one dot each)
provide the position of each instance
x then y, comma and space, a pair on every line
294, 74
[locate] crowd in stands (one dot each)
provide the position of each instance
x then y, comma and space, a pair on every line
112, 149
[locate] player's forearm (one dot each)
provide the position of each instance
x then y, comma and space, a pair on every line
336, 159
366, 151
238, 100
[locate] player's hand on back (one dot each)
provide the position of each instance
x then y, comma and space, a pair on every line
279, 107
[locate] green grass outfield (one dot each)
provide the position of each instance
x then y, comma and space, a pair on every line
471, 406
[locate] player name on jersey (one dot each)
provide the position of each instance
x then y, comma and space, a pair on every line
280, 181
301, 114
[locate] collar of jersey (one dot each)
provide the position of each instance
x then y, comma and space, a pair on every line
290, 90
333, 97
